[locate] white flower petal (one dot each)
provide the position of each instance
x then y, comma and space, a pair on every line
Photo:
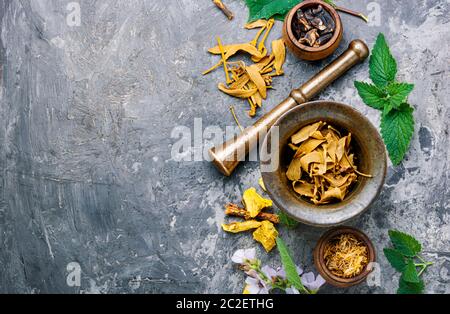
238, 257
308, 278
269, 272
250, 254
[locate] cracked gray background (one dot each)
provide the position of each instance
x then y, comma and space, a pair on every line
87, 176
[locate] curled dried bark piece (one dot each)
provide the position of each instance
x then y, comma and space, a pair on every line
314, 157
329, 195
308, 146
294, 172
266, 234
254, 203
305, 132
303, 188
327, 165
224, 9
243, 226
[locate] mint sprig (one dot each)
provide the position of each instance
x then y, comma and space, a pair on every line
404, 257
390, 97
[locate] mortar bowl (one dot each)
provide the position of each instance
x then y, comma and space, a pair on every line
367, 145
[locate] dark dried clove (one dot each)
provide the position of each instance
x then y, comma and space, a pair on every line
318, 23
317, 10
328, 20
327, 31
309, 15
305, 26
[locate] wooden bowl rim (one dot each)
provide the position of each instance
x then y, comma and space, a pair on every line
334, 15
320, 263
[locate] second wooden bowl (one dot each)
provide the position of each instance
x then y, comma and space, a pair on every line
306, 52
320, 262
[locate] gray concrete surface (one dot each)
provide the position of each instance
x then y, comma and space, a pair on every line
87, 175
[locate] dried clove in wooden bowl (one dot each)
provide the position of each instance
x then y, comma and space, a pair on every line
313, 26
312, 30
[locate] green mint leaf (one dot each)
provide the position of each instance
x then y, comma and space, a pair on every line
371, 95
265, 9
289, 266
410, 287
397, 128
410, 273
395, 258
404, 243
287, 221
398, 92
382, 65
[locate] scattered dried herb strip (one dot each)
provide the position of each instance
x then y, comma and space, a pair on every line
251, 82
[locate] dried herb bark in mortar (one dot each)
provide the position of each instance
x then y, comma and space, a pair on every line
345, 256
323, 166
313, 27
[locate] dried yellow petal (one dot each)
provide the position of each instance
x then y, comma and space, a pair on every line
254, 203
243, 226
239, 93
256, 24
279, 51
337, 180
240, 82
331, 194
261, 46
266, 63
231, 50
266, 235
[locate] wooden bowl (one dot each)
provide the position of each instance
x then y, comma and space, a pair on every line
322, 268
306, 52
368, 147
